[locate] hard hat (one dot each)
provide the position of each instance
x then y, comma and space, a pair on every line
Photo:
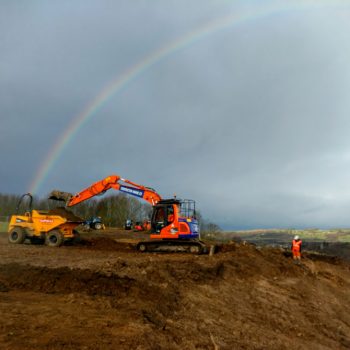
296, 237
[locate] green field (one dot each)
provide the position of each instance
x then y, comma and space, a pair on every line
3, 226
332, 235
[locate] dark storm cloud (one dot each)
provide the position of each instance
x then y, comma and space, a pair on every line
251, 121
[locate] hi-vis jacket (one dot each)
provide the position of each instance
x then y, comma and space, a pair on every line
296, 245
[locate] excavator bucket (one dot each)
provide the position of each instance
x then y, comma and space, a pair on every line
60, 196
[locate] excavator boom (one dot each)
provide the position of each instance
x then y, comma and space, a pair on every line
113, 181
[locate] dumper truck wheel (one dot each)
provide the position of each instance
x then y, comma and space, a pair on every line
97, 226
17, 235
54, 238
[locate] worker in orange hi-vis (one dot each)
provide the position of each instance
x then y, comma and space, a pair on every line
296, 248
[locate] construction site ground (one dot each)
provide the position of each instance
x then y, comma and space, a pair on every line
102, 294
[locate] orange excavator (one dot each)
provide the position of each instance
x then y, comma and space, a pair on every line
174, 226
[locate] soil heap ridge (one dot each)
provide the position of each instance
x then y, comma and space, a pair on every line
244, 297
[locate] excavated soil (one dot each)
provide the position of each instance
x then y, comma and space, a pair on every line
102, 294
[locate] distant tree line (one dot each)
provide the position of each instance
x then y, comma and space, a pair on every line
114, 210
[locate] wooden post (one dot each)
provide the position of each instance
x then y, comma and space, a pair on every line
212, 250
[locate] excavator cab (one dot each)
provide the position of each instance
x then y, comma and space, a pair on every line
174, 227
174, 219
163, 216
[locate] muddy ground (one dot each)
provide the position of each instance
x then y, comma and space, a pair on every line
102, 294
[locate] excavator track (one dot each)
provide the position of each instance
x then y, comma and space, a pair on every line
186, 246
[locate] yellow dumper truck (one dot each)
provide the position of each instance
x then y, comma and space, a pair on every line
53, 227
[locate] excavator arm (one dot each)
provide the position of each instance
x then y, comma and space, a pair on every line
110, 182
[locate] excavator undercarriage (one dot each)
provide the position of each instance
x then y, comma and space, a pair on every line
171, 245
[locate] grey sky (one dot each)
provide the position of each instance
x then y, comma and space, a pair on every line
251, 121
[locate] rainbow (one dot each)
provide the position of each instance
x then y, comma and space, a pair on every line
129, 75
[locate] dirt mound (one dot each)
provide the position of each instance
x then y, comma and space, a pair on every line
244, 297
106, 244
62, 280
62, 211
330, 259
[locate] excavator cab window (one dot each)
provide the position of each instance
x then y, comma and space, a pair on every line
170, 214
158, 219
162, 216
